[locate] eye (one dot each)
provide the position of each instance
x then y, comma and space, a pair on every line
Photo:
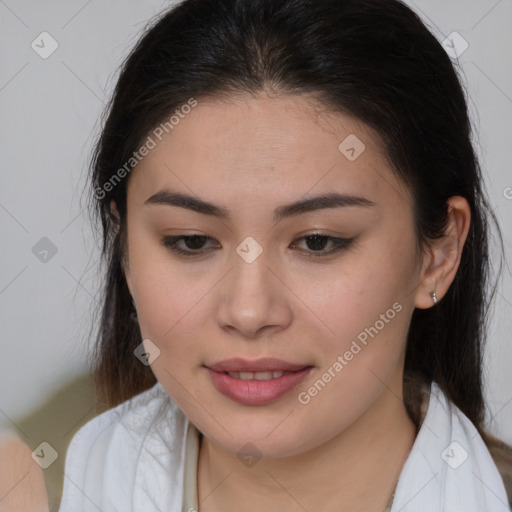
194, 244
316, 242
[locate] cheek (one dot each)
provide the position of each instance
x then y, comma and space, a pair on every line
163, 291
367, 306
170, 309
345, 301
171, 316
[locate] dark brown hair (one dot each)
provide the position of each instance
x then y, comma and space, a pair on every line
374, 60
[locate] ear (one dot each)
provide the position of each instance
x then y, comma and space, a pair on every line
116, 217
443, 258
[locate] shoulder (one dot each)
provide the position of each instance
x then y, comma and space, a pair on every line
107, 455
22, 485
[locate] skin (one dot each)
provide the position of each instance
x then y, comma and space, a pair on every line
251, 155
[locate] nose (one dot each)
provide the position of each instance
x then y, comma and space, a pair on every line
254, 300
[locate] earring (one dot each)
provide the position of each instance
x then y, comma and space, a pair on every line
434, 297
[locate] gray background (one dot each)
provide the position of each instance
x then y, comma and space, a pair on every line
50, 114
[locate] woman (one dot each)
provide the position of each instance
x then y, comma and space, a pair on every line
296, 237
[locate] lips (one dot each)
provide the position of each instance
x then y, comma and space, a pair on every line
256, 382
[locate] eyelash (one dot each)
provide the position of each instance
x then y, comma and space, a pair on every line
171, 242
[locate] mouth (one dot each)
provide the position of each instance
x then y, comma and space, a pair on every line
237, 365
257, 375
257, 387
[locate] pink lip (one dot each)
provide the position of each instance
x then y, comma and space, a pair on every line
256, 392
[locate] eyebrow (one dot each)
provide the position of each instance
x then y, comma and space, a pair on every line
324, 201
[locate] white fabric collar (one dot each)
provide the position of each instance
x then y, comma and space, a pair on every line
449, 467
131, 459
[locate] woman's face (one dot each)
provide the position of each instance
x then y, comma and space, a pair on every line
260, 284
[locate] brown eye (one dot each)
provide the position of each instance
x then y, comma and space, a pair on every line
193, 244
316, 244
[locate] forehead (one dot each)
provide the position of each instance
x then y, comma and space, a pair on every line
264, 148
